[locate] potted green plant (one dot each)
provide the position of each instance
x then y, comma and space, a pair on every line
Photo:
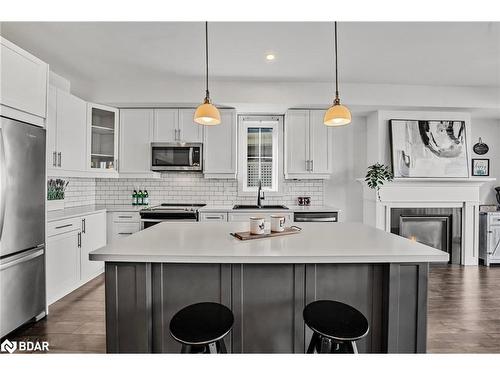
55, 194
376, 175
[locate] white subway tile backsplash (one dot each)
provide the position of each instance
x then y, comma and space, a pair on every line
79, 192
182, 187
192, 187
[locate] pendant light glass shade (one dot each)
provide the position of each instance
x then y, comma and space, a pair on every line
337, 114
207, 113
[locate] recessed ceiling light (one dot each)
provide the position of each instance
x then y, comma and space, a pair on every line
270, 57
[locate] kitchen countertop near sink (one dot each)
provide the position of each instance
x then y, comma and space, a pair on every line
70, 212
229, 208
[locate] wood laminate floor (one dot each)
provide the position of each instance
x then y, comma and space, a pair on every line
463, 315
75, 323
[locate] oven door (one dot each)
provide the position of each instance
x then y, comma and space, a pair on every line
146, 223
176, 156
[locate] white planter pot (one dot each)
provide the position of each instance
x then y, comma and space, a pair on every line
55, 205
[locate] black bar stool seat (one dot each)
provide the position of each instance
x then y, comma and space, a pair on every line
336, 326
201, 327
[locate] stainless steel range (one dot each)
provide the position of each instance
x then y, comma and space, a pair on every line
169, 212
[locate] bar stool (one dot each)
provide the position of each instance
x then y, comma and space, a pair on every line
336, 327
201, 327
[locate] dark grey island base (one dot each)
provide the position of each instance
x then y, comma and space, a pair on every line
267, 301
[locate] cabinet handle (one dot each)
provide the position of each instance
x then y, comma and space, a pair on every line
179, 135
80, 239
83, 226
116, 164
312, 165
307, 165
54, 159
213, 217
59, 158
64, 226
125, 217
125, 233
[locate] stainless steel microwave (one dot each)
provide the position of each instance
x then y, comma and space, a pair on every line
174, 156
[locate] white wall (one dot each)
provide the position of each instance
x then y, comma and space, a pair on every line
489, 131
262, 96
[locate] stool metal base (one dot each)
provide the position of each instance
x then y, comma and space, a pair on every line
217, 347
323, 345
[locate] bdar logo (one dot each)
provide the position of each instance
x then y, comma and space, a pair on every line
8, 346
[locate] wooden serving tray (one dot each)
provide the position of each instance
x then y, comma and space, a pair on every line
245, 236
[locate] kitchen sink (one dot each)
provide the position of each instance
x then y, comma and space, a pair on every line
255, 207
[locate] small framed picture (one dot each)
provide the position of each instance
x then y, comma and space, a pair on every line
480, 167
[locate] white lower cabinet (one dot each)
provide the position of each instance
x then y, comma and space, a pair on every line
122, 224
213, 216
69, 243
63, 264
93, 237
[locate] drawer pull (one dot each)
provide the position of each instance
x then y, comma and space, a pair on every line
125, 233
125, 217
64, 226
213, 217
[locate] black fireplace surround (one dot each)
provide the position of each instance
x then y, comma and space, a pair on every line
440, 228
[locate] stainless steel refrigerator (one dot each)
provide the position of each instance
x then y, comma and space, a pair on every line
22, 223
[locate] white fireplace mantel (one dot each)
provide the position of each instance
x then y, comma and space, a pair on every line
461, 193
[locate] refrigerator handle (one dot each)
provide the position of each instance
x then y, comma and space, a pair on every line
3, 182
33, 255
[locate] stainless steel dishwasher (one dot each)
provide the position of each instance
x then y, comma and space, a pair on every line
316, 217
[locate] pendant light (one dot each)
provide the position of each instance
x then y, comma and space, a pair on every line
207, 113
337, 114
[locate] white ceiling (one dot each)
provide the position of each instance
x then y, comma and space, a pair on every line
457, 54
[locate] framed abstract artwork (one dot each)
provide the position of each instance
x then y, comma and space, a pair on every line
433, 149
480, 167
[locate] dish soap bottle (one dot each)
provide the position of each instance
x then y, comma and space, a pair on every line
146, 198
140, 198
134, 198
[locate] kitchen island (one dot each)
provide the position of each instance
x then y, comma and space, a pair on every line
266, 283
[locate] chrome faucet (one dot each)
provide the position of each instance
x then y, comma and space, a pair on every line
260, 194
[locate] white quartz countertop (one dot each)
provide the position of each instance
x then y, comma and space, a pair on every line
71, 212
229, 208
212, 243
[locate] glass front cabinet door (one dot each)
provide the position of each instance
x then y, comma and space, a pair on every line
103, 139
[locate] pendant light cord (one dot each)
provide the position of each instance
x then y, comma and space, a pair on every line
336, 65
206, 58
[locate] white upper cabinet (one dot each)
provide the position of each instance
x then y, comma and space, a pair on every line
308, 145
102, 139
189, 131
23, 84
71, 132
219, 147
136, 134
66, 133
296, 141
166, 125
51, 127
176, 125
320, 144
